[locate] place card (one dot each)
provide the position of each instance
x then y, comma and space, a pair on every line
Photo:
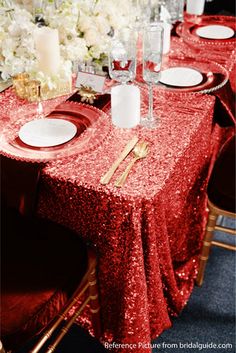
96, 82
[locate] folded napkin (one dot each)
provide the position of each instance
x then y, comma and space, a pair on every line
102, 101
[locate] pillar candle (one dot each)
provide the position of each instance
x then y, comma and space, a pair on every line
47, 50
166, 35
195, 7
125, 106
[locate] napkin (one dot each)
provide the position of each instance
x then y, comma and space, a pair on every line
101, 101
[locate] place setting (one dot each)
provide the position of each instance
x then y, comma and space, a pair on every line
212, 31
192, 75
36, 135
72, 128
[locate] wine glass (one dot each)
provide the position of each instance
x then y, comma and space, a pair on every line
122, 56
152, 58
142, 12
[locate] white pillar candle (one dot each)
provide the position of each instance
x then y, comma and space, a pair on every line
166, 35
125, 106
47, 49
195, 7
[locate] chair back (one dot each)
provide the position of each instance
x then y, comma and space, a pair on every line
19, 182
221, 186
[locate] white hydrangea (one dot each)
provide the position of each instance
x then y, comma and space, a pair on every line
84, 28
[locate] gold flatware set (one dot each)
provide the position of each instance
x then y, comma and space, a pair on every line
140, 151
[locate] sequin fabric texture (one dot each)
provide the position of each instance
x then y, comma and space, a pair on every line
148, 233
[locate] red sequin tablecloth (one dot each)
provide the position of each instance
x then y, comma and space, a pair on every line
148, 233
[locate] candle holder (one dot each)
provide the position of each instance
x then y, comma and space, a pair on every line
19, 82
26, 87
33, 91
62, 86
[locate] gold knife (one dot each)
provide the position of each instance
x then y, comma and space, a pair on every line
128, 148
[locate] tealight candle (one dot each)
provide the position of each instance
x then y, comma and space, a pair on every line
19, 82
47, 49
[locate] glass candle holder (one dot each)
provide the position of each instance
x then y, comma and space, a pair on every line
19, 84
32, 90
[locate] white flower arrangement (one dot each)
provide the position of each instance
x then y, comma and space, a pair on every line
84, 27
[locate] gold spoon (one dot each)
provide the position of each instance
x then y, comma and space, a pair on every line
140, 151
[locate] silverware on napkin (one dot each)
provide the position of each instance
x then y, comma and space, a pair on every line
128, 148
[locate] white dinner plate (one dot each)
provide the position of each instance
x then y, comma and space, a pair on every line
47, 132
181, 77
215, 32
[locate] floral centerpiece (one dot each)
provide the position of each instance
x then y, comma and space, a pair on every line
85, 29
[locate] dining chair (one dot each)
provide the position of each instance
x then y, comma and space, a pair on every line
221, 202
48, 274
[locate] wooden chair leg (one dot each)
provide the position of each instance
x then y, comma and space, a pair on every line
212, 217
94, 304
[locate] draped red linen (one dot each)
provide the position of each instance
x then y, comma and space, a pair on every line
148, 234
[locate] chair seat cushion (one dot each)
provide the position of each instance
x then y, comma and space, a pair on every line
42, 264
221, 186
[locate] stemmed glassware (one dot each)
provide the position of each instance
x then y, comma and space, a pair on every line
122, 56
152, 58
142, 12
175, 8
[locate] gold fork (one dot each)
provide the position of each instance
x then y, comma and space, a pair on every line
140, 151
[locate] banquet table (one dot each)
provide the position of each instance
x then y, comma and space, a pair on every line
147, 233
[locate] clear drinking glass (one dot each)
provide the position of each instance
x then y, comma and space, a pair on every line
175, 9
142, 11
152, 58
122, 56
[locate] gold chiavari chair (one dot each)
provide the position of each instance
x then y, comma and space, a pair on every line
221, 202
46, 269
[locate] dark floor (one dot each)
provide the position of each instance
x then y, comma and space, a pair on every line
209, 317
